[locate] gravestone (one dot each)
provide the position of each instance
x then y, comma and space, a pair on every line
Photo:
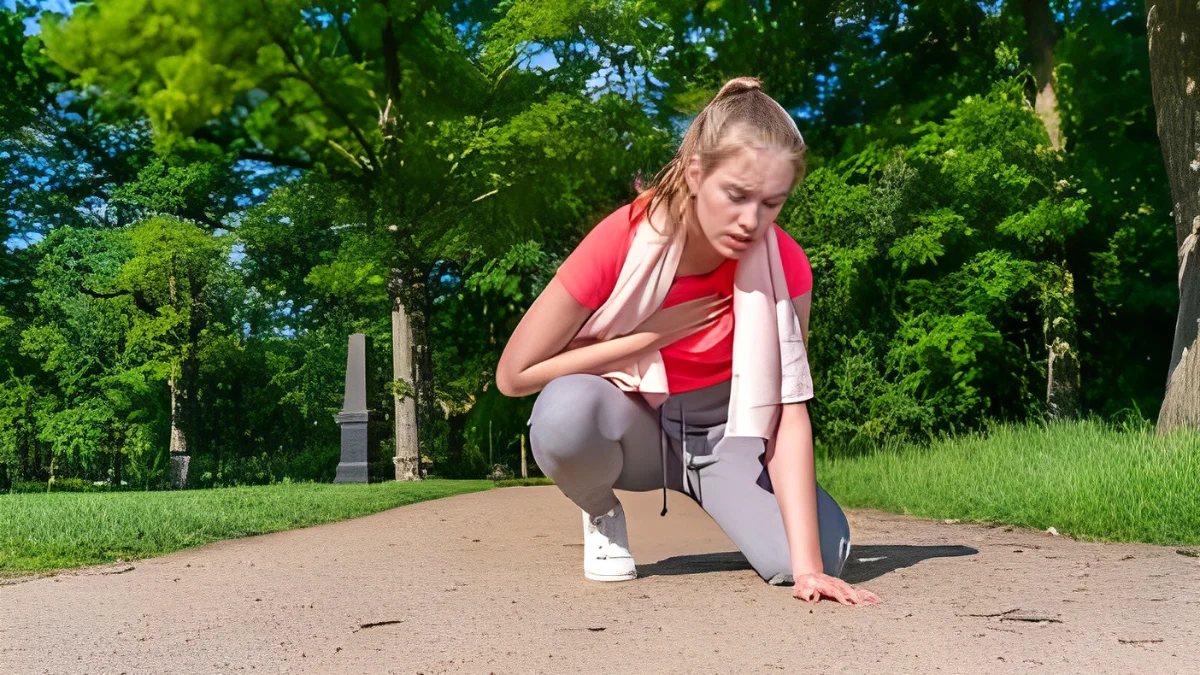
353, 417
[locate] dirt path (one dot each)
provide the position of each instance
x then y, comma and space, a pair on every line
492, 583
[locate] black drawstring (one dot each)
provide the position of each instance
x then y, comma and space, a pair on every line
663, 442
662, 446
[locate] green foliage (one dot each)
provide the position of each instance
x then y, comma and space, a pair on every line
1127, 251
226, 196
318, 463
59, 485
495, 293
944, 261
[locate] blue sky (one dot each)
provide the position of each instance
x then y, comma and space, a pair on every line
31, 24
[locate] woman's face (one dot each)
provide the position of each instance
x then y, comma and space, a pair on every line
741, 197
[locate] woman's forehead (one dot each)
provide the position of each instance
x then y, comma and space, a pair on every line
757, 169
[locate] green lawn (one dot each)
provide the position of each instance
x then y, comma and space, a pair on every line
1084, 479
41, 532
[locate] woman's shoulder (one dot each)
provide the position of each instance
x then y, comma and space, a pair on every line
590, 272
795, 263
622, 220
785, 239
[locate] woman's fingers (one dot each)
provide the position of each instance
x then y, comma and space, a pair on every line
833, 591
860, 596
811, 588
700, 318
850, 592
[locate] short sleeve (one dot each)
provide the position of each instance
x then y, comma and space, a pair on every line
795, 264
590, 273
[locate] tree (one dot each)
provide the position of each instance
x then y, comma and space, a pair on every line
1123, 263
1062, 362
1043, 34
445, 145
1173, 29
174, 271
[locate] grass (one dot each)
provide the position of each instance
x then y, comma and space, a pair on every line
1086, 479
41, 532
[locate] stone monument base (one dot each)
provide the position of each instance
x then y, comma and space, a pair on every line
353, 467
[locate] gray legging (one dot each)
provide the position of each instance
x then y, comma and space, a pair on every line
591, 437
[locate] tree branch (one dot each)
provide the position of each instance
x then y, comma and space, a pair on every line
276, 160
304, 76
138, 299
351, 45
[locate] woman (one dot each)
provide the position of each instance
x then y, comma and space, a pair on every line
647, 381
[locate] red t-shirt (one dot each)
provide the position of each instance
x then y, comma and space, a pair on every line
699, 360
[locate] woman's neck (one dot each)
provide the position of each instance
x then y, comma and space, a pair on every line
698, 256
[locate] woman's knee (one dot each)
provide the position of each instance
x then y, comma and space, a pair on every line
564, 418
835, 533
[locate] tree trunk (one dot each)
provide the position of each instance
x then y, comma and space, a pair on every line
178, 444
524, 465
1039, 24
406, 460
1173, 30
118, 461
1062, 366
1062, 363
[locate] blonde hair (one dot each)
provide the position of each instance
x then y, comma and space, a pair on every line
740, 116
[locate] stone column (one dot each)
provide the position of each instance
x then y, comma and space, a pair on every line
353, 417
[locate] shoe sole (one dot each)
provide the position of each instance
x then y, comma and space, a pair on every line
617, 577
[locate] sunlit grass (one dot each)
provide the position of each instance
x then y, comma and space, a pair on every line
59, 530
1085, 479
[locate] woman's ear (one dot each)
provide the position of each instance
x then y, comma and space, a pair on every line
693, 173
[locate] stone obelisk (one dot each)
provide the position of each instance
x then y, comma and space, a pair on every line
353, 417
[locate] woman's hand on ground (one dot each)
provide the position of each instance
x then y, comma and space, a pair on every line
674, 323
810, 588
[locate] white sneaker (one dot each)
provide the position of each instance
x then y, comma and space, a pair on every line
606, 554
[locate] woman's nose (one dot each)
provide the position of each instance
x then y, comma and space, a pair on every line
748, 219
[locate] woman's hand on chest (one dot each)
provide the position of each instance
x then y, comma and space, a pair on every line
671, 324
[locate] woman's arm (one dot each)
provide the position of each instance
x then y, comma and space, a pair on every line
534, 354
793, 476
793, 471
792, 468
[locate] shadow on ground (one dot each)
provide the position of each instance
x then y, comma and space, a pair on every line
695, 564
870, 562
866, 562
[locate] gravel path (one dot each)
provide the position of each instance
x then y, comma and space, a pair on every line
492, 582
